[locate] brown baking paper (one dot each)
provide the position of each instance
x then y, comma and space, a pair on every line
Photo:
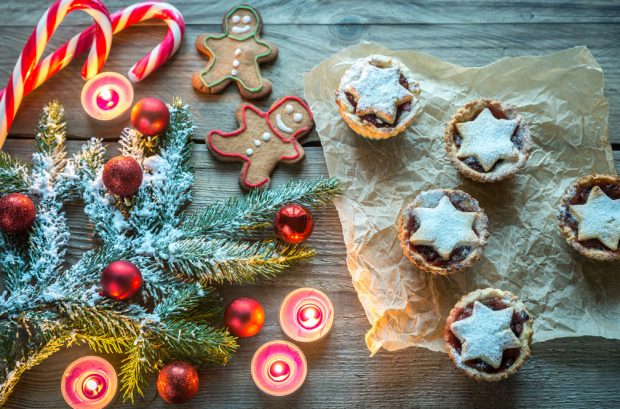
561, 97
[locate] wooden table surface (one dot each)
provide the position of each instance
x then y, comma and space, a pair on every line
576, 372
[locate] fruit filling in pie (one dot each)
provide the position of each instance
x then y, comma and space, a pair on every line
487, 141
590, 216
378, 97
443, 231
488, 334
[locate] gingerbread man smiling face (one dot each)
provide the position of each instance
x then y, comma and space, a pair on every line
235, 56
263, 139
242, 23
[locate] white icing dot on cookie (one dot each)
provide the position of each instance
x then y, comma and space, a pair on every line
249, 152
266, 136
237, 51
256, 142
236, 19
298, 117
246, 19
288, 108
234, 72
236, 63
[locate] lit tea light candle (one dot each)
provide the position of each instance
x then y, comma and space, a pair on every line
306, 315
107, 96
279, 368
89, 383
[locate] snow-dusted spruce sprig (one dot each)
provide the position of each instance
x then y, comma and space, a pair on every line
177, 313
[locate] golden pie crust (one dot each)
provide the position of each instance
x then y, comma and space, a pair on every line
568, 227
358, 124
525, 337
503, 169
430, 198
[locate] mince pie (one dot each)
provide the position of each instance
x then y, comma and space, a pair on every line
378, 97
488, 334
487, 141
590, 216
443, 231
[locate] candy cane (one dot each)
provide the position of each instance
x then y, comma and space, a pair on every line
120, 20
30, 55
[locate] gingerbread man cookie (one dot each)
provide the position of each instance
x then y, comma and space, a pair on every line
263, 139
235, 56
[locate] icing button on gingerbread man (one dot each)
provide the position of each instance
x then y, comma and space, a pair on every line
263, 139
235, 56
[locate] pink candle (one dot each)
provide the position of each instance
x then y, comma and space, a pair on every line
306, 315
89, 383
279, 368
107, 96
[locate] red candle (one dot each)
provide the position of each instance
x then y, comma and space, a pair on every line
89, 383
279, 368
306, 315
107, 96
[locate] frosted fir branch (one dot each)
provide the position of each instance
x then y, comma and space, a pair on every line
254, 213
131, 144
14, 175
209, 261
168, 176
191, 303
100, 207
13, 260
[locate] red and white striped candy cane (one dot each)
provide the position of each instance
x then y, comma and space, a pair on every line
27, 61
120, 20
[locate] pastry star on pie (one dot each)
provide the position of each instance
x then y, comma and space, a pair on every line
486, 334
487, 139
598, 218
444, 227
379, 92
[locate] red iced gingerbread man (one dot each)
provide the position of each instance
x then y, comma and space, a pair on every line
264, 139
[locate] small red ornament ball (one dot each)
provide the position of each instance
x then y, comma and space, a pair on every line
17, 213
177, 382
122, 176
244, 317
293, 223
121, 280
150, 116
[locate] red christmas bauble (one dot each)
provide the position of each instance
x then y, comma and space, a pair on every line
121, 280
177, 382
293, 223
17, 213
244, 317
122, 176
150, 116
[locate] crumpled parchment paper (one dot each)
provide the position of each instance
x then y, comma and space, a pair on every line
561, 97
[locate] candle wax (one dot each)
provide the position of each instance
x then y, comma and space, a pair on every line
107, 98
310, 316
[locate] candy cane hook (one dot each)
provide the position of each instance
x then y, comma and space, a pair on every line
35, 45
120, 20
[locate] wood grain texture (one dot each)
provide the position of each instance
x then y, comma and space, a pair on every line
453, 43
341, 373
364, 12
580, 372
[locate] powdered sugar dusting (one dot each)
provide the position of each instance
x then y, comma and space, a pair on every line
485, 334
487, 139
599, 218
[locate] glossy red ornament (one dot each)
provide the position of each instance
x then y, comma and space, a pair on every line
244, 317
122, 176
17, 213
150, 116
121, 280
293, 223
177, 382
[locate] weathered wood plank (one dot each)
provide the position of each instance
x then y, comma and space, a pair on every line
562, 373
365, 12
455, 43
